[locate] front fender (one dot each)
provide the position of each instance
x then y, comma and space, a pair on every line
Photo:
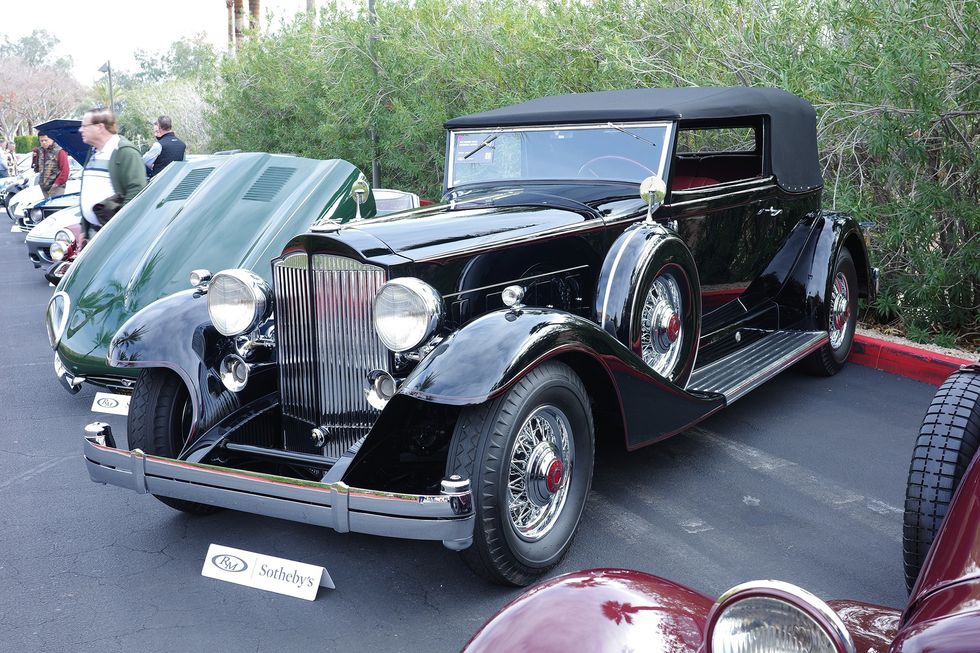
483, 359
175, 333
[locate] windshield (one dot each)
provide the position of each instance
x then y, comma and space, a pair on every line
612, 152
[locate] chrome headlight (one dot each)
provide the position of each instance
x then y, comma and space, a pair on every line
56, 317
36, 215
62, 241
774, 617
237, 301
407, 312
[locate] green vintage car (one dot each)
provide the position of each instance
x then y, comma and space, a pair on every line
209, 213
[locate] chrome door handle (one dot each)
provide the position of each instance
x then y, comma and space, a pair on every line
772, 211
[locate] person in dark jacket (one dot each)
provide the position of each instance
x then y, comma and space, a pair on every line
166, 150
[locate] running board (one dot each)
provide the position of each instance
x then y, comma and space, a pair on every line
739, 372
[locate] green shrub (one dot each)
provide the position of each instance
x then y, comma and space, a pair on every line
896, 86
25, 144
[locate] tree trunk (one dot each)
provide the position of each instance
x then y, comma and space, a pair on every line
229, 4
255, 8
239, 21
311, 7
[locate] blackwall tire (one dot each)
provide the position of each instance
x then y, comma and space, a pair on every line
529, 457
842, 308
158, 424
948, 440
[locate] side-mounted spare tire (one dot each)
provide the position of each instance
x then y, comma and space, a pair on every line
649, 298
948, 441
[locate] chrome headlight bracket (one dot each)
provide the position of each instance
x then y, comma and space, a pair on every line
745, 618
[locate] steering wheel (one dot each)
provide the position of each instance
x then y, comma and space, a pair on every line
587, 166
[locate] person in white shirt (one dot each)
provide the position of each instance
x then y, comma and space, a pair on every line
113, 174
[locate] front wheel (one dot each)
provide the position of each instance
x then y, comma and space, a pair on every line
529, 457
948, 440
159, 423
842, 310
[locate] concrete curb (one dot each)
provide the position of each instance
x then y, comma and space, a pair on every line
904, 360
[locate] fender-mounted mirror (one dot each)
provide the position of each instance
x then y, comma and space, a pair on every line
359, 190
653, 190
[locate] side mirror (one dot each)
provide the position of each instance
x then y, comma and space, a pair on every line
359, 190
653, 190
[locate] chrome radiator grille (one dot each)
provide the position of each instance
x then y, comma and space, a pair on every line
327, 345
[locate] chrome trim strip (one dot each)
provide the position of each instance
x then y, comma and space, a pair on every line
513, 281
781, 591
765, 357
593, 224
612, 276
447, 517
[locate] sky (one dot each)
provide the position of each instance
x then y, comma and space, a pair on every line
113, 30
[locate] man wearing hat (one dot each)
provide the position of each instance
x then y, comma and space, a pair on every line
53, 167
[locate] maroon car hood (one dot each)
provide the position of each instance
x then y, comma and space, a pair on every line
599, 610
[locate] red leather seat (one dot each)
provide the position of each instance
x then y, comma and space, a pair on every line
681, 182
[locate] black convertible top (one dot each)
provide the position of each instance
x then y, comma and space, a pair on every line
792, 137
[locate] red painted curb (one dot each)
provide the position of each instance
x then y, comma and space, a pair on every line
903, 360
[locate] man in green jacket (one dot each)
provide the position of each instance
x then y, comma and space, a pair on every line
113, 174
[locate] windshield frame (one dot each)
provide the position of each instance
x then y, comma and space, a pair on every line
492, 131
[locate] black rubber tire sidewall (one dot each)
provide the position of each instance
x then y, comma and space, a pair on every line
154, 422
498, 553
948, 440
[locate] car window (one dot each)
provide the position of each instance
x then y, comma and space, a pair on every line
625, 152
706, 156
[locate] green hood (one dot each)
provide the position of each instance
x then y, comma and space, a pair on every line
214, 213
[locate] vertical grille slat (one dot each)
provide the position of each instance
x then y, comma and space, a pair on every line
327, 344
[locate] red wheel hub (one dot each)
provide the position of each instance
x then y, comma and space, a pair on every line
555, 473
673, 327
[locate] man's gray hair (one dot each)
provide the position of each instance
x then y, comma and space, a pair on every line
164, 123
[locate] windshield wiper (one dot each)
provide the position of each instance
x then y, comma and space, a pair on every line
629, 133
491, 137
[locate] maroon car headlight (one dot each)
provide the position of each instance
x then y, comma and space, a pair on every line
774, 617
62, 241
238, 300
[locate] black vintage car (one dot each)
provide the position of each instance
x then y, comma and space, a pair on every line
610, 266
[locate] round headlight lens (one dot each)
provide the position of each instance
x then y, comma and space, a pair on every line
62, 241
237, 301
775, 617
56, 317
406, 313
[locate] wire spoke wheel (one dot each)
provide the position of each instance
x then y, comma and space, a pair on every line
661, 327
840, 310
539, 472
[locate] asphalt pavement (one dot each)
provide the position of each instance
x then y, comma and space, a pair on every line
803, 480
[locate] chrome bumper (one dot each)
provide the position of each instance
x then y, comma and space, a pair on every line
447, 516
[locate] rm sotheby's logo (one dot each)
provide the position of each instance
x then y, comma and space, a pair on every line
106, 402
227, 562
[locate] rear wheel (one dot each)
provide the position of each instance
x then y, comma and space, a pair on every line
159, 423
842, 309
948, 440
528, 456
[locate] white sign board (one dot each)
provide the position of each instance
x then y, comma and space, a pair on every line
106, 402
265, 572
